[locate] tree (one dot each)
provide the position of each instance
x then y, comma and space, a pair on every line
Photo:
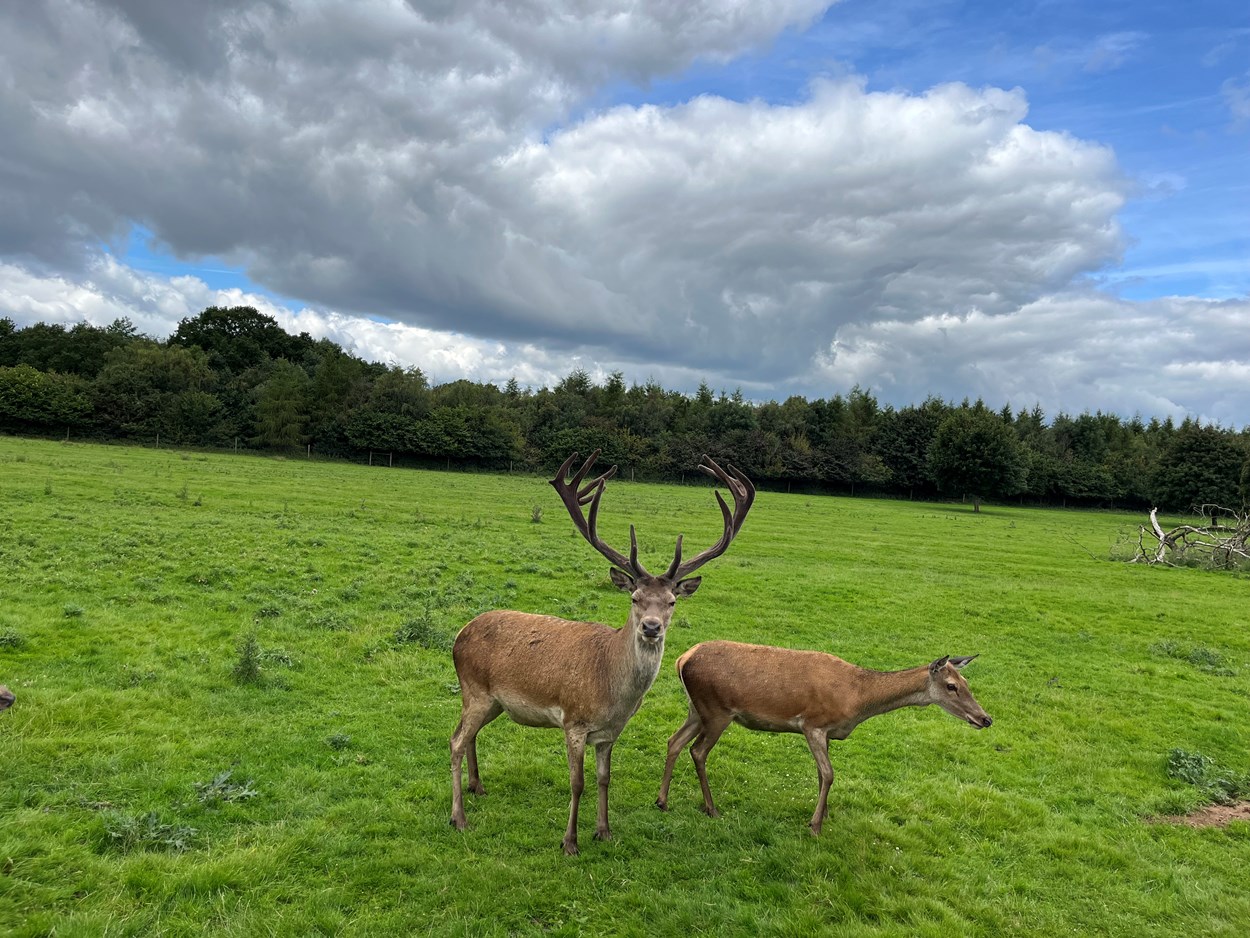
239, 337
138, 393
1199, 466
80, 350
30, 398
282, 407
903, 439
338, 387
974, 453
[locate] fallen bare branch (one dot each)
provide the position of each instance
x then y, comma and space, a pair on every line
1218, 544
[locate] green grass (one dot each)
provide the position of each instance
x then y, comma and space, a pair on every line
145, 788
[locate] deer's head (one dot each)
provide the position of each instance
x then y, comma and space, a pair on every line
653, 597
948, 689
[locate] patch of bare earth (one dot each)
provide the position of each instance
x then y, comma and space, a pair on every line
1214, 815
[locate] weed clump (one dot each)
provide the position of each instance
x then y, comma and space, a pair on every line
246, 668
134, 677
1204, 659
1216, 783
11, 639
72, 611
422, 632
127, 833
331, 621
221, 789
338, 741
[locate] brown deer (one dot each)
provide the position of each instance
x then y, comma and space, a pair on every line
6, 698
583, 677
782, 690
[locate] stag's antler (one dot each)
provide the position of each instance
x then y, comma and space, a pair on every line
575, 495
744, 495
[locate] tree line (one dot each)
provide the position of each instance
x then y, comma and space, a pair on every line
232, 377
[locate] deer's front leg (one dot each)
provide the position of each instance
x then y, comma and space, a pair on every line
575, 743
603, 775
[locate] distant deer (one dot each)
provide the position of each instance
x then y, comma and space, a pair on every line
781, 690
6, 697
583, 677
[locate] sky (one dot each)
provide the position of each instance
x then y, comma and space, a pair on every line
1034, 203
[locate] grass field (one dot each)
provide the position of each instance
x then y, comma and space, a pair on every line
160, 775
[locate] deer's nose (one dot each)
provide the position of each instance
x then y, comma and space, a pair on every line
651, 627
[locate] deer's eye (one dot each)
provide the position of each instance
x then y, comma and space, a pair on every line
953, 687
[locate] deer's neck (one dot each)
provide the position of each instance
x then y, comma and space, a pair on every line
883, 691
636, 663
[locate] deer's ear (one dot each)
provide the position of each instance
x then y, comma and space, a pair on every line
939, 664
687, 587
960, 663
622, 580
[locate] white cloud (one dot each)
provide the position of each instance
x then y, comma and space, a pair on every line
1073, 351
1237, 97
418, 163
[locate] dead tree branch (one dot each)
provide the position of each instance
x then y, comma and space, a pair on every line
1218, 543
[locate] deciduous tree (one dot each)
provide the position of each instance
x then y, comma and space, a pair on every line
975, 454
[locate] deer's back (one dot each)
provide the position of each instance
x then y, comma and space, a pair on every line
769, 688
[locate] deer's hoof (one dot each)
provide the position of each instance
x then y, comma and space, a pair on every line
477, 788
710, 812
459, 823
570, 848
661, 804
603, 835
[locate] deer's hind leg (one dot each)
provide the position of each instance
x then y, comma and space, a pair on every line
676, 743
713, 726
475, 713
818, 742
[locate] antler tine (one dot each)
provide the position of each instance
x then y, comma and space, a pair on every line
574, 496
738, 484
744, 496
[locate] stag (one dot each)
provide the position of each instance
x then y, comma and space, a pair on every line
583, 677
783, 690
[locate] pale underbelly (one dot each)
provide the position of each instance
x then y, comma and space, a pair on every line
529, 715
768, 725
